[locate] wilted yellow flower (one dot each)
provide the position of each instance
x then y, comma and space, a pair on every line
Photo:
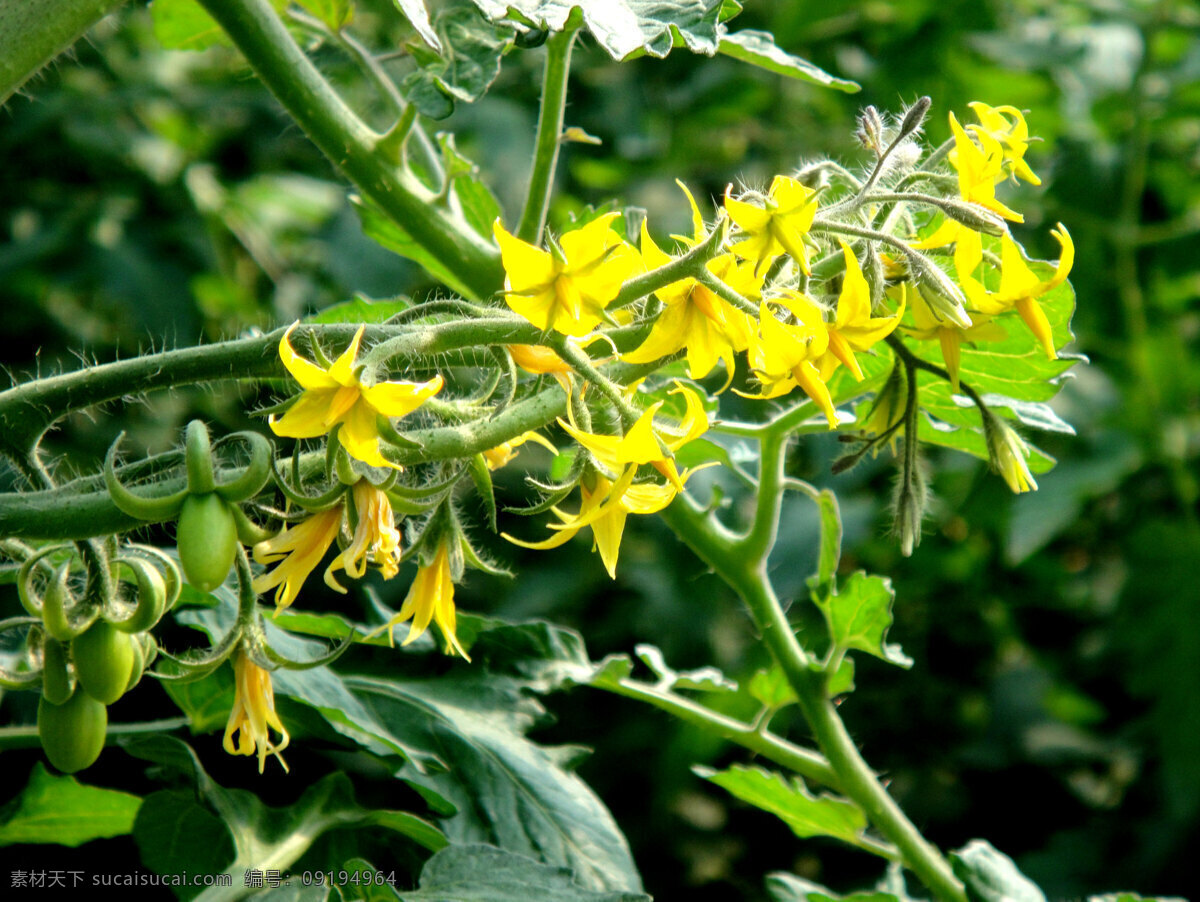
537, 359
429, 599
784, 355
253, 715
298, 549
696, 318
566, 290
778, 226
1019, 286
375, 539
1009, 454
951, 336
338, 396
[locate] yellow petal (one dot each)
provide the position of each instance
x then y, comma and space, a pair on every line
306, 418
342, 370
398, 399
359, 435
308, 374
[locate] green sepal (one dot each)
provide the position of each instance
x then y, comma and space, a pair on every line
172, 577
283, 662
249, 532
19, 680
57, 685
482, 477
197, 458
154, 509
556, 495
151, 601
388, 433
312, 503
256, 474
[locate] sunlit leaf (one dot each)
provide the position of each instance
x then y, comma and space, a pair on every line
758, 48
859, 615
61, 810
991, 876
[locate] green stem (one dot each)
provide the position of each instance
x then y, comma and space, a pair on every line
257, 31
549, 135
722, 551
690, 265
27, 736
808, 764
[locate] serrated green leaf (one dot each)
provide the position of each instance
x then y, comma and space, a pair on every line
482, 873
770, 688
383, 230
61, 810
807, 815
624, 27
991, 876
361, 310
278, 836
505, 787
859, 615
467, 63
831, 539
759, 49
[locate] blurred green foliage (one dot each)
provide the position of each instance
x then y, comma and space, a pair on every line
153, 197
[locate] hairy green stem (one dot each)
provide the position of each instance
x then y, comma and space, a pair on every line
349, 144
724, 552
549, 135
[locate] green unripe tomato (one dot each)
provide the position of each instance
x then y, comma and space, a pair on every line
207, 537
72, 733
56, 679
103, 661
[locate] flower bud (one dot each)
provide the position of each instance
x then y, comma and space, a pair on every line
1009, 454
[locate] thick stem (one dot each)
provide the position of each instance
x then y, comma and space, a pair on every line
722, 551
549, 135
349, 144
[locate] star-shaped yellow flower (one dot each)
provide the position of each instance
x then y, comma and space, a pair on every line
1019, 286
784, 355
253, 715
338, 396
644, 443
566, 290
853, 328
695, 318
430, 599
1007, 125
778, 226
604, 506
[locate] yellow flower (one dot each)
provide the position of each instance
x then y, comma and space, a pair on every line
778, 226
1007, 125
375, 537
1009, 454
253, 715
979, 166
301, 548
430, 598
537, 359
643, 443
928, 327
854, 329
497, 457
695, 318
337, 396
603, 507
784, 355
1019, 286
567, 290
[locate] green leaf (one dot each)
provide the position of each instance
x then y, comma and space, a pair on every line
758, 48
505, 788
771, 689
61, 810
482, 873
379, 227
624, 27
479, 206
336, 14
33, 32
859, 616
806, 814
184, 25
991, 876
784, 887
361, 310
278, 836
467, 63
1133, 897
705, 679
418, 16
482, 477
831, 540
